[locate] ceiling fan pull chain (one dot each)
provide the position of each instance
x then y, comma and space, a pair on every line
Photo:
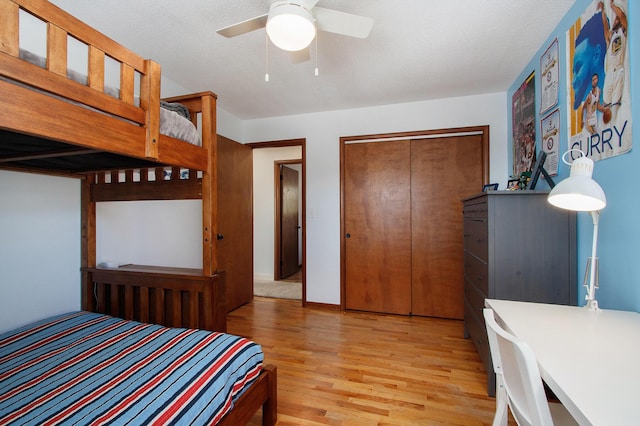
266, 57
316, 70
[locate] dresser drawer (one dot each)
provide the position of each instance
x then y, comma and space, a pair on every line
476, 272
476, 238
478, 332
475, 210
474, 298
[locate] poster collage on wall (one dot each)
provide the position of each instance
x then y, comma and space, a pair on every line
598, 94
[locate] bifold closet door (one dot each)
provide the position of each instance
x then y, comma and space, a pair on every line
377, 226
403, 245
443, 171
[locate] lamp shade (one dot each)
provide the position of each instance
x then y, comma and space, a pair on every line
290, 26
579, 192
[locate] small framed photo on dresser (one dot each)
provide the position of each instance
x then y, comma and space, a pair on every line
490, 187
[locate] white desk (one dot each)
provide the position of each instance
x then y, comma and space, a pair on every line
591, 360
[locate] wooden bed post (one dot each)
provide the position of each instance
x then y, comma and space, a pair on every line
88, 242
9, 28
209, 188
150, 102
270, 407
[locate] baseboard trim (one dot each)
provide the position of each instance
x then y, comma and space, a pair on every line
263, 277
325, 306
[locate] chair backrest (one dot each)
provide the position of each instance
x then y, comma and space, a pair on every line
515, 362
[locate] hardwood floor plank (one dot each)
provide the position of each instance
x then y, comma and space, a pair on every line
352, 368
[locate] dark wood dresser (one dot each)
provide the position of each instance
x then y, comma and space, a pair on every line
516, 247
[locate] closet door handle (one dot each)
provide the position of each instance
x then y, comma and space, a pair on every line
348, 235
220, 236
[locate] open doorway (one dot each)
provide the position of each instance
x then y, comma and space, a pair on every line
279, 229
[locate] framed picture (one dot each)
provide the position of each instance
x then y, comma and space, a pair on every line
490, 187
550, 127
513, 184
549, 66
523, 126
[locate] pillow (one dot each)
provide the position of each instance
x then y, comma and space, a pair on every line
176, 107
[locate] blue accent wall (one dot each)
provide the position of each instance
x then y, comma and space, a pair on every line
619, 235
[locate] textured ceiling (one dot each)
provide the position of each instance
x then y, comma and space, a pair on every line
417, 50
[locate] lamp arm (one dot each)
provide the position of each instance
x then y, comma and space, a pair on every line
591, 289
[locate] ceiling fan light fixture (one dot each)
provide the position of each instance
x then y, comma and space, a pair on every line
290, 26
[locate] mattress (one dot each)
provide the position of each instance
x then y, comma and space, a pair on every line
86, 368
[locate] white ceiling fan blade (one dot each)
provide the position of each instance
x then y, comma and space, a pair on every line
300, 56
309, 4
343, 23
244, 26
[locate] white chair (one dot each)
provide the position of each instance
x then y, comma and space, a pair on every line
518, 383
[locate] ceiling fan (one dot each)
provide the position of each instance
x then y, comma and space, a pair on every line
292, 24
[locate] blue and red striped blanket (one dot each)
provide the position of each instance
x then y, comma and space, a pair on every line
84, 368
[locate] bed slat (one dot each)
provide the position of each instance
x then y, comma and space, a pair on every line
9, 23
157, 307
114, 298
144, 304
127, 83
192, 314
101, 296
176, 308
96, 69
129, 302
57, 50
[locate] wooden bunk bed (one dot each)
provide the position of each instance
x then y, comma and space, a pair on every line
53, 124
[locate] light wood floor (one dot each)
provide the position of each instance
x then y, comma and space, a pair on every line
352, 368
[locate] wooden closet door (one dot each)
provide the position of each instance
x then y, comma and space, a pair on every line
443, 172
377, 225
235, 220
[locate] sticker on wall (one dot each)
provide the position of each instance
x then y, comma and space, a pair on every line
598, 97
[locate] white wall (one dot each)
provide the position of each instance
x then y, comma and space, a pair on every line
228, 125
323, 131
39, 247
163, 233
263, 205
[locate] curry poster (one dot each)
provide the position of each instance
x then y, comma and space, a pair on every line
598, 98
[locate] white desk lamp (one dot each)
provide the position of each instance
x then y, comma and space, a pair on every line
579, 192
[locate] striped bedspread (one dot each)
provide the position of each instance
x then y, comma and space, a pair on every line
84, 368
